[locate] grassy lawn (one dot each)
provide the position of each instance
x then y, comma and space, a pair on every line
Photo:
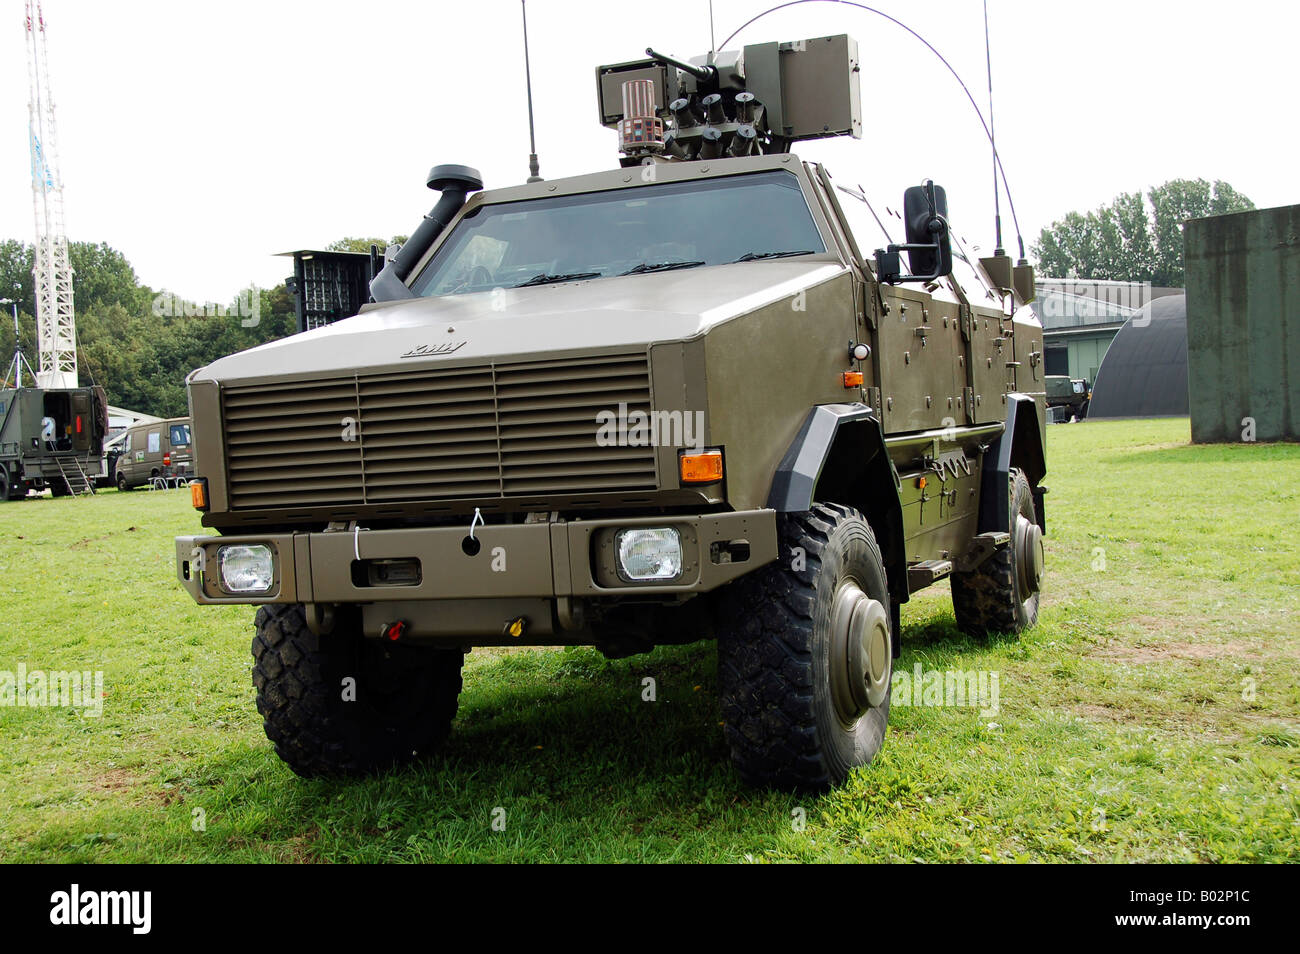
1153, 714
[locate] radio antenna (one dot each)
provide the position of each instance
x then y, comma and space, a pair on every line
713, 40
1002, 173
997, 210
533, 175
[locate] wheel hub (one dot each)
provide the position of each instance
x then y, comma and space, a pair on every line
861, 653
1029, 555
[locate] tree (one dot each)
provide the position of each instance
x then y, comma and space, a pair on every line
363, 244
1134, 239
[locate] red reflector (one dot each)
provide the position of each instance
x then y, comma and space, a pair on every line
78, 423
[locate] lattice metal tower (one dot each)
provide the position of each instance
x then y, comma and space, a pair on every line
56, 330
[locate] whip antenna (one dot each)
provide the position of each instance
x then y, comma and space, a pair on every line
533, 175
997, 210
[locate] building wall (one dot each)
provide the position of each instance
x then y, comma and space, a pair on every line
1243, 324
1083, 351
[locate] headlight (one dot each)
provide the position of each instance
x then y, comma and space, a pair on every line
246, 569
649, 553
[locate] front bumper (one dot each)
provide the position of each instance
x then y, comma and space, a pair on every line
531, 563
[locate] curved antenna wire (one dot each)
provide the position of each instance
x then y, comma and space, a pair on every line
894, 20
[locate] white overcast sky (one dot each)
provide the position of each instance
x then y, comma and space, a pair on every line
200, 139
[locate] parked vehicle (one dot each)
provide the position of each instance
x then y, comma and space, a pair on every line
50, 438
652, 405
1071, 395
161, 451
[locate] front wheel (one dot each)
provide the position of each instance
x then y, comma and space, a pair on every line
122, 484
342, 704
805, 655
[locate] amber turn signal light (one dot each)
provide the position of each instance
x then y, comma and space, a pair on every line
705, 468
853, 379
199, 494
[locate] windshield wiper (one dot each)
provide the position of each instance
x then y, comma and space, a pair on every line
752, 256
660, 267
544, 279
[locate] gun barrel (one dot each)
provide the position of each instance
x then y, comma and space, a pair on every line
699, 72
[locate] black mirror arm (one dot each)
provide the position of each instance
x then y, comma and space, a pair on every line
938, 227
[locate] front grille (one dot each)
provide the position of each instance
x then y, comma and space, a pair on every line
498, 430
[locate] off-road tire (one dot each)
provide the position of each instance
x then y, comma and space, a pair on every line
988, 599
59, 488
405, 695
774, 668
11, 488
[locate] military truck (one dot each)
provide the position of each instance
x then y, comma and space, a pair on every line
50, 437
1071, 395
667, 402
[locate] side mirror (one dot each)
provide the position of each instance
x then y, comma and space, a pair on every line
928, 247
925, 212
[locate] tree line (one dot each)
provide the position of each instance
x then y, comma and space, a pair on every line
1135, 238
138, 343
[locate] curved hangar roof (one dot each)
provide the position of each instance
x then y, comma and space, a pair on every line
1144, 373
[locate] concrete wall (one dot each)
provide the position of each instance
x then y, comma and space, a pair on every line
1243, 324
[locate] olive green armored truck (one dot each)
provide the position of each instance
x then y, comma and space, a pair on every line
673, 401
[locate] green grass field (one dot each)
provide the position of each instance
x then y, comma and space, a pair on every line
1153, 714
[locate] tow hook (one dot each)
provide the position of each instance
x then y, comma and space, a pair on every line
394, 631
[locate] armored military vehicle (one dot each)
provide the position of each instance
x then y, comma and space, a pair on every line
671, 401
50, 437
1071, 395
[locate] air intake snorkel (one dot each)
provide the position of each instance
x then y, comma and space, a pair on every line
455, 183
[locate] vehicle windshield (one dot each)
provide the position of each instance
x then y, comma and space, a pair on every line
647, 229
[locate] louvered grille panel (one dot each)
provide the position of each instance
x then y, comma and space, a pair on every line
547, 412
285, 446
429, 435
513, 429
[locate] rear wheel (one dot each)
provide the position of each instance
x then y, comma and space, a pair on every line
1001, 595
59, 487
342, 704
805, 657
12, 487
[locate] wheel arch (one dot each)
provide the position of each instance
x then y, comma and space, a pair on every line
839, 456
